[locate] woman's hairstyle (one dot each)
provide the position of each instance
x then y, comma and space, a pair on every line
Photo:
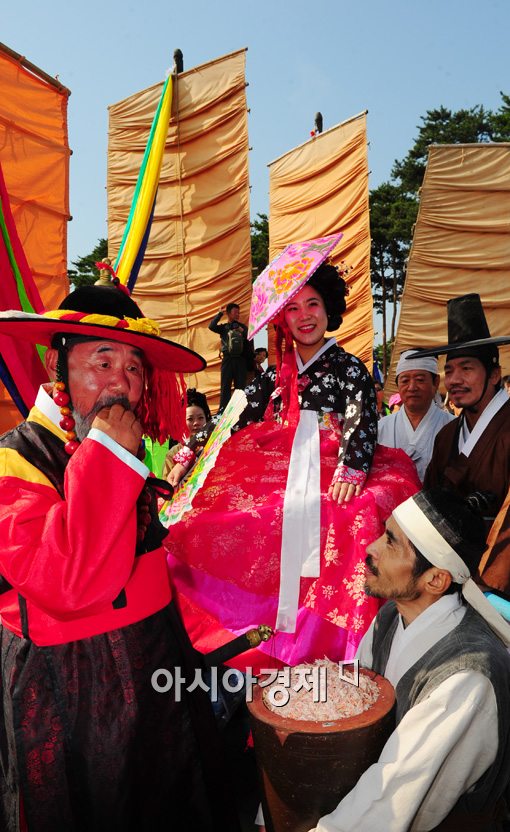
198, 399
333, 290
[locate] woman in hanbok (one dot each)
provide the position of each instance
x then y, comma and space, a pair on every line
197, 416
277, 535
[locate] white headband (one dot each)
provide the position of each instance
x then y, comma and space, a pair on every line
428, 363
433, 546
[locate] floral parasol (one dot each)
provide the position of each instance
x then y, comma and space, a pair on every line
285, 276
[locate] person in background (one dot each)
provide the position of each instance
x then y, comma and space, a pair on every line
234, 355
260, 355
449, 406
472, 452
197, 416
382, 407
414, 427
443, 647
394, 402
505, 383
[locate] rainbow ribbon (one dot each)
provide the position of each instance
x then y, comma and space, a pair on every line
21, 367
136, 233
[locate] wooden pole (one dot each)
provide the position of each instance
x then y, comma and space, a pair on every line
40, 73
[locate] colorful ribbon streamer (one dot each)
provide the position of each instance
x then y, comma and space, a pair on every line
139, 221
21, 367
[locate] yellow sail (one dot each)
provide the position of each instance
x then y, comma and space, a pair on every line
317, 189
461, 244
198, 256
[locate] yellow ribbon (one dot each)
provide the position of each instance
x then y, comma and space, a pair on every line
143, 325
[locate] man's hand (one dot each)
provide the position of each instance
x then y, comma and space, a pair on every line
343, 492
121, 424
176, 474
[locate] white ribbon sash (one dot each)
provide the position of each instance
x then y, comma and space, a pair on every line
300, 553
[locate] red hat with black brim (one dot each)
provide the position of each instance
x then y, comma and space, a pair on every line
107, 313
102, 313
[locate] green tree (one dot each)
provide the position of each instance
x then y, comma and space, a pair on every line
259, 243
392, 215
441, 126
383, 356
500, 121
85, 273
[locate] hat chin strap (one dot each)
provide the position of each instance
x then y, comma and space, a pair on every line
472, 407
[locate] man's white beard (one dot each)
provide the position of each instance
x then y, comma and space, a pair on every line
83, 424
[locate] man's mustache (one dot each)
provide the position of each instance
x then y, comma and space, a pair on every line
108, 401
371, 565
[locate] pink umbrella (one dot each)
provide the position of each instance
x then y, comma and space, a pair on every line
285, 276
394, 399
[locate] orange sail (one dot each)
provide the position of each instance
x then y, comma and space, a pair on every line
35, 164
198, 254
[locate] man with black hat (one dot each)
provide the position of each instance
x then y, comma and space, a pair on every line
473, 451
87, 741
447, 764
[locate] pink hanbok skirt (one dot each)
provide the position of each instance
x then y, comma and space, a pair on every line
224, 556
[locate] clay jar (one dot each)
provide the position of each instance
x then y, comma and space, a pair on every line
306, 768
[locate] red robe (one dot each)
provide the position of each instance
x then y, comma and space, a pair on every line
86, 742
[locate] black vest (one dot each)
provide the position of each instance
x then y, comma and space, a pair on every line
470, 646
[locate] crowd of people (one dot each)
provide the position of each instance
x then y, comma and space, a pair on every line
351, 530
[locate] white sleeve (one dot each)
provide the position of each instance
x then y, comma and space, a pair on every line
437, 753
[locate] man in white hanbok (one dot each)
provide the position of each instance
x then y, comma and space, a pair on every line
447, 764
414, 427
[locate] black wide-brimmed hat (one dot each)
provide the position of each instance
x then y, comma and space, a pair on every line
468, 333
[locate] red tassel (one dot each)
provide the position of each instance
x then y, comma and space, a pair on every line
286, 373
162, 410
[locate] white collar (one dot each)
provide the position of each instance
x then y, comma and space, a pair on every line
409, 644
46, 405
413, 434
467, 438
302, 367
434, 612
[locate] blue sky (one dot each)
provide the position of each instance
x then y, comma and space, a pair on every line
397, 59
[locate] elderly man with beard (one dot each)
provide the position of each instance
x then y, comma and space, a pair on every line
87, 740
446, 767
